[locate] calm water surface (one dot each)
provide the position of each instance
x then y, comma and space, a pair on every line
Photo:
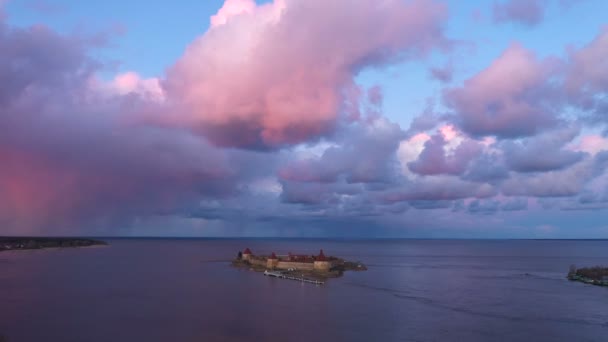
414, 290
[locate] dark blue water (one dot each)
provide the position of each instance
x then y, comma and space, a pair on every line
414, 290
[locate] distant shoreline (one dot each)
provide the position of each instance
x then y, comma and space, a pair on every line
30, 243
328, 238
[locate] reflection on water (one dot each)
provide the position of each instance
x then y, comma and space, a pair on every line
414, 290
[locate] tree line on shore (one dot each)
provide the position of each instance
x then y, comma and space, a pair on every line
594, 273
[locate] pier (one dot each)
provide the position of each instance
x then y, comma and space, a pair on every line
283, 276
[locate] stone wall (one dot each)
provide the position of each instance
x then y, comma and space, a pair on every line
322, 265
297, 265
258, 262
272, 263
283, 265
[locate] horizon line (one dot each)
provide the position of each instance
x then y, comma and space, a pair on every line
291, 238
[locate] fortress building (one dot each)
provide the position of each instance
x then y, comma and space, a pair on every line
246, 254
272, 262
322, 263
290, 262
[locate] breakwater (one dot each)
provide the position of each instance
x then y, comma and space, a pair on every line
284, 276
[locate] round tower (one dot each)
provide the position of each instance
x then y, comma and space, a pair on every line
247, 254
321, 263
272, 261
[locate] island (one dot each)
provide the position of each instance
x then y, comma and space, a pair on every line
24, 243
310, 268
589, 275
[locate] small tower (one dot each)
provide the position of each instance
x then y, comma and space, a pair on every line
272, 261
247, 254
321, 263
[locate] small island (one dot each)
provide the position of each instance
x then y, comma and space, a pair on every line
25, 243
312, 268
589, 275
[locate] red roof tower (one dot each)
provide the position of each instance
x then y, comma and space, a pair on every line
247, 251
321, 257
273, 256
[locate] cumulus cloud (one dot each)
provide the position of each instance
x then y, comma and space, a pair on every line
234, 8
519, 95
78, 150
489, 167
562, 183
435, 160
586, 79
592, 144
275, 74
425, 121
508, 99
261, 122
69, 153
587, 72
132, 83
366, 154
544, 152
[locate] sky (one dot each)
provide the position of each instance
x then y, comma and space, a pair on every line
304, 118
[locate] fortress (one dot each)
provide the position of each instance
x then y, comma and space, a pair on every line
289, 262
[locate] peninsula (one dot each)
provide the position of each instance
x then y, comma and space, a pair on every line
589, 275
315, 267
23, 243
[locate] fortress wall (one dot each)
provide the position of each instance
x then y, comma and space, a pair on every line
296, 265
322, 265
272, 263
258, 262
268, 263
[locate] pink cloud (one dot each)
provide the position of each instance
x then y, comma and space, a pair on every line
505, 99
588, 68
274, 74
68, 159
76, 151
592, 144
420, 137
130, 83
232, 8
448, 132
525, 12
